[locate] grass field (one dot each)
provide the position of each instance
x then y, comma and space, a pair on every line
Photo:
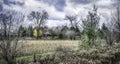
45, 46
45, 53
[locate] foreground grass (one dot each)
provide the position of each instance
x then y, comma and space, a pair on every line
31, 57
100, 55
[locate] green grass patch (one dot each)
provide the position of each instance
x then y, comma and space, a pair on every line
30, 57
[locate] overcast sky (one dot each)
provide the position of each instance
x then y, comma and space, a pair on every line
57, 9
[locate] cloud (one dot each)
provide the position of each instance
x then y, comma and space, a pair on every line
116, 2
34, 5
80, 1
106, 4
58, 4
55, 23
6, 2
1, 6
15, 2
57, 9
54, 14
83, 2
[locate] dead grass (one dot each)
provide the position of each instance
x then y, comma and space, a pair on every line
100, 55
44, 46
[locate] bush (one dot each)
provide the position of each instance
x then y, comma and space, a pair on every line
84, 40
2, 61
60, 36
85, 43
90, 29
63, 49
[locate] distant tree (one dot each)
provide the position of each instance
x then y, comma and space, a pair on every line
35, 33
90, 28
100, 33
116, 19
103, 31
109, 37
73, 21
56, 31
53, 34
70, 34
30, 31
39, 19
21, 31
60, 36
9, 20
107, 34
63, 31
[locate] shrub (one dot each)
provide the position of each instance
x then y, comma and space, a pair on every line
60, 36
90, 29
63, 49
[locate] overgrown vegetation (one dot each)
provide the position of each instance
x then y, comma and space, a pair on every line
102, 55
59, 45
9, 43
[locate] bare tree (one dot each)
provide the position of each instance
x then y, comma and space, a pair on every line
116, 19
9, 20
39, 18
73, 21
108, 33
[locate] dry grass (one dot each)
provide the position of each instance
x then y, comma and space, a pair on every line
99, 55
44, 46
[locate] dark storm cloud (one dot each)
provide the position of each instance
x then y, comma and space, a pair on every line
101, 5
82, 1
17, 3
116, 2
1, 7
8, 2
58, 4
